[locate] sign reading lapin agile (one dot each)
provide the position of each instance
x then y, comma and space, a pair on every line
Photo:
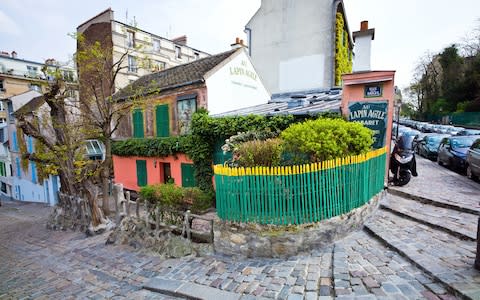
372, 115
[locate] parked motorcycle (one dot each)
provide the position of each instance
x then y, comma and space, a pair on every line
402, 161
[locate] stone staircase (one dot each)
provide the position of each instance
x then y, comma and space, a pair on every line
438, 239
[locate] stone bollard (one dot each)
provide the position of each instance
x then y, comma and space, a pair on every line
120, 210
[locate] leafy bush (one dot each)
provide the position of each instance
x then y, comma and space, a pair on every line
232, 143
198, 199
324, 139
163, 195
258, 153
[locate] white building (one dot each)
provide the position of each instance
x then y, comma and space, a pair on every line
24, 183
147, 52
300, 45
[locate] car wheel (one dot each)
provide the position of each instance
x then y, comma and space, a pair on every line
439, 161
470, 173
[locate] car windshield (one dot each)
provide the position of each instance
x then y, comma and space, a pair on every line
461, 143
434, 140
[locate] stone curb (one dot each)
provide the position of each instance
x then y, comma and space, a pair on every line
437, 203
192, 291
426, 222
449, 287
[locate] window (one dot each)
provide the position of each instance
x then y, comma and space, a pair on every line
33, 168
17, 164
162, 119
14, 142
158, 65
35, 87
10, 112
186, 106
197, 55
3, 170
2, 108
2, 87
94, 150
156, 45
32, 71
178, 52
132, 64
130, 39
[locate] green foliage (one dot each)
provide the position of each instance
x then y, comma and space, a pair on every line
324, 139
266, 153
232, 142
163, 195
152, 147
343, 56
198, 199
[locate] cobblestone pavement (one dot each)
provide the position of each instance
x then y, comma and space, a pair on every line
438, 183
397, 256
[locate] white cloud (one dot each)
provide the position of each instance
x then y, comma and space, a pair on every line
8, 26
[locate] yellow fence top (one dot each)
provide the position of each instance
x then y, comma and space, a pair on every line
298, 169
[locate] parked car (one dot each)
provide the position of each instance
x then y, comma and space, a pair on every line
452, 151
473, 160
468, 132
454, 130
428, 146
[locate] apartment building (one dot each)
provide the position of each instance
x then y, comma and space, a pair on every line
146, 52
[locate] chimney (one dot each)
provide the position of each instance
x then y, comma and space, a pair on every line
181, 40
14, 54
238, 43
363, 44
5, 53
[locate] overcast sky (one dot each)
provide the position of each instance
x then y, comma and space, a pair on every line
404, 30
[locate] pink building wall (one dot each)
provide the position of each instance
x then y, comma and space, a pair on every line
354, 90
125, 169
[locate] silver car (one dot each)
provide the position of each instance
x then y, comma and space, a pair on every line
473, 160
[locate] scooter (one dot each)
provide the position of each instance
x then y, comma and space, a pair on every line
402, 161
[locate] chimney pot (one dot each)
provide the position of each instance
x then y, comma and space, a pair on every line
14, 54
237, 40
364, 26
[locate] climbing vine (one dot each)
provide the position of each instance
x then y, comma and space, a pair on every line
343, 55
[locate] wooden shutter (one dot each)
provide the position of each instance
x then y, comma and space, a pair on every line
141, 172
138, 123
188, 178
163, 120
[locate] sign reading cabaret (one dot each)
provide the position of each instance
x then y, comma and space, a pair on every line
372, 115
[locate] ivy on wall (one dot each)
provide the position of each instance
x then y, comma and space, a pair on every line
343, 55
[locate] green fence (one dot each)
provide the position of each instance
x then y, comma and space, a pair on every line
298, 194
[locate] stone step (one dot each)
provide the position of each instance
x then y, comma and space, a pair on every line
460, 224
363, 267
471, 208
448, 259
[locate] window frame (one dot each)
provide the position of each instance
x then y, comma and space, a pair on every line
132, 64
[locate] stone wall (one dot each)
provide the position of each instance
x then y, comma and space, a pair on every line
253, 240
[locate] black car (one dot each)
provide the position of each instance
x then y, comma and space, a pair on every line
453, 151
428, 145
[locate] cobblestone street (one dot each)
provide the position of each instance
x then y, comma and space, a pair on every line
410, 249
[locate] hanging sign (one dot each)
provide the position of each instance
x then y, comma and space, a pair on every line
372, 115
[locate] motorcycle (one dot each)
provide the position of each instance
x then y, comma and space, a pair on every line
402, 161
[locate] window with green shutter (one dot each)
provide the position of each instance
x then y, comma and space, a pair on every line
162, 120
138, 123
141, 172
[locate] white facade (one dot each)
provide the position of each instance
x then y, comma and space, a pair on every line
234, 84
148, 52
292, 44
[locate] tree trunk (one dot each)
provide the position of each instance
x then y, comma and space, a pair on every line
106, 171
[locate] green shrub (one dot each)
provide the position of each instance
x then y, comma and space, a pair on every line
324, 139
164, 195
258, 153
198, 199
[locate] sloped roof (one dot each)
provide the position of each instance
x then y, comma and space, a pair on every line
174, 77
30, 106
310, 102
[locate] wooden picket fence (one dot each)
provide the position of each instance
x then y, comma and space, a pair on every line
298, 194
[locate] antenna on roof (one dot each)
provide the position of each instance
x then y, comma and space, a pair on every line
126, 16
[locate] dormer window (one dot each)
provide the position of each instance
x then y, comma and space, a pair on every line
178, 52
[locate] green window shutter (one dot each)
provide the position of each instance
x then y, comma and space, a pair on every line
141, 172
163, 120
138, 123
188, 178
